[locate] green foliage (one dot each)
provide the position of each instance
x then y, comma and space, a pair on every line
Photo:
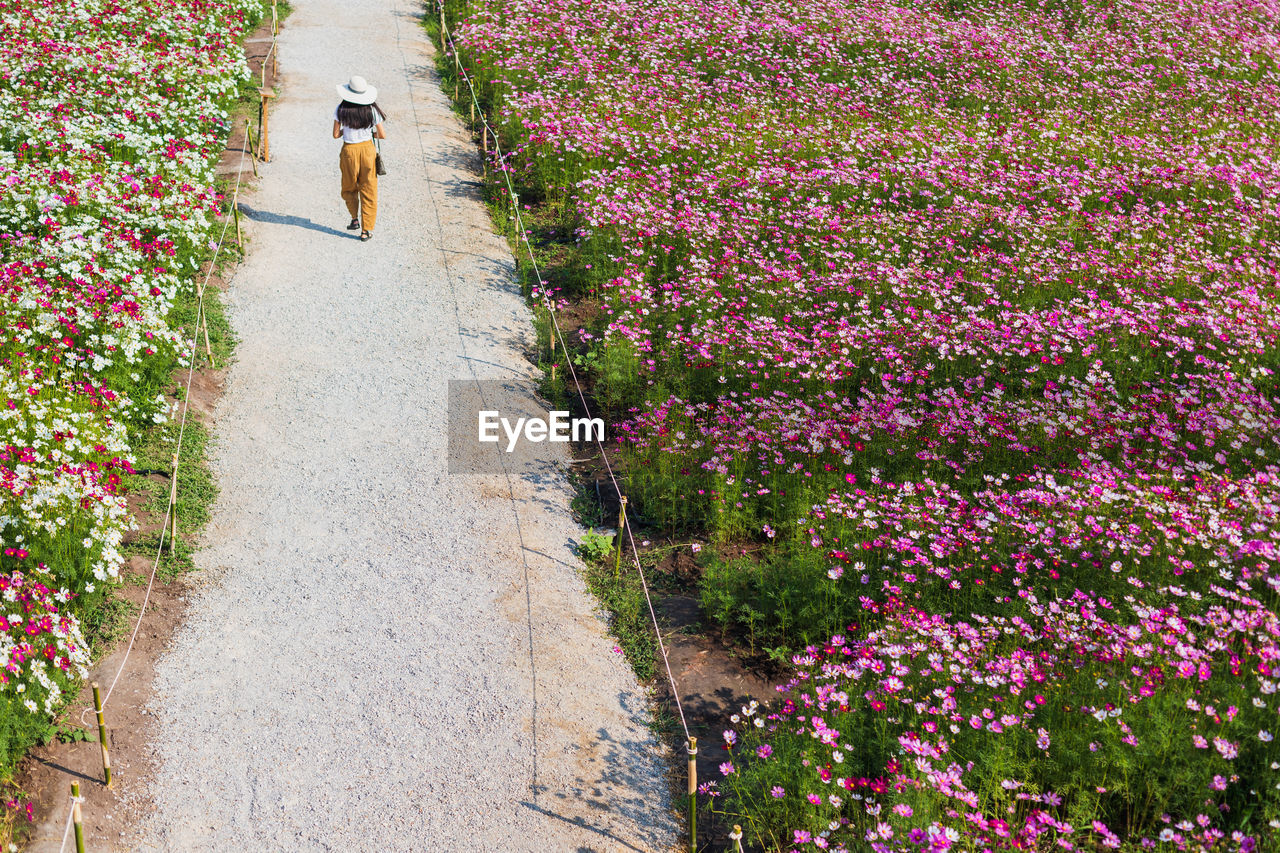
67, 734
778, 600
586, 505
107, 623
595, 547
19, 730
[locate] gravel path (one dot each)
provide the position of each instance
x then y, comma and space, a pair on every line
386, 657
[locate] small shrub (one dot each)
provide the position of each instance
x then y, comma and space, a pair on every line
595, 547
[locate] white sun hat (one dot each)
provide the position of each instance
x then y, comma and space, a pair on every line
357, 91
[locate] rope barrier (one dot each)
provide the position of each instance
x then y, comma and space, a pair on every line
447, 37
170, 515
171, 511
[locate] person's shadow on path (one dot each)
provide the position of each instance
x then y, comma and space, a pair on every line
283, 219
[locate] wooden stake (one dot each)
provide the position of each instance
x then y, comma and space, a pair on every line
102, 735
442, 29
75, 817
552, 330
693, 794
622, 525
173, 504
736, 838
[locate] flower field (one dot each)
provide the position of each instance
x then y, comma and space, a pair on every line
970, 313
111, 121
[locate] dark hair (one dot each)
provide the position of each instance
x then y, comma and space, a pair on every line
359, 116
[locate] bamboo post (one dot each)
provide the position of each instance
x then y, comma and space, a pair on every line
173, 505
736, 838
693, 794
235, 213
204, 324
622, 525
204, 316
552, 334
208, 350
264, 136
76, 819
442, 29
102, 734
248, 143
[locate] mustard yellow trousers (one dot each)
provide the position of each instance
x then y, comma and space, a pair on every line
360, 182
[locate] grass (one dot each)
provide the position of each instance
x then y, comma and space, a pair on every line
196, 493
154, 449
108, 624
622, 596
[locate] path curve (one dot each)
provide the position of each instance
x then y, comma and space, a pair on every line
386, 657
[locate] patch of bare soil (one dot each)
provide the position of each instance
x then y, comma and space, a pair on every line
714, 683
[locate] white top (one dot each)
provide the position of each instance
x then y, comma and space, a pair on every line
362, 134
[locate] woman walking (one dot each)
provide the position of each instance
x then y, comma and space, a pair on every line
357, 122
